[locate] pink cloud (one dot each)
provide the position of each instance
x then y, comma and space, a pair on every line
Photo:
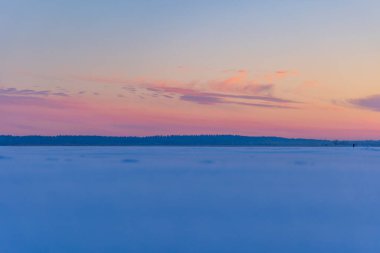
212, 98
240, 83
237, 83
279, 75
232, 90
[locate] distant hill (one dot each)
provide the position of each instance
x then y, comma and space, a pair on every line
176, 140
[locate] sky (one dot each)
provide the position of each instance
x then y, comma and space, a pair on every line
291, 68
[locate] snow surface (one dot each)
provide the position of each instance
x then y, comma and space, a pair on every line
155, 199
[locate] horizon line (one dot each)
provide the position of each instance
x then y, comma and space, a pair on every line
191, 135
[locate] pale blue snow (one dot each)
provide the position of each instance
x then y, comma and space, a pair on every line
189, 200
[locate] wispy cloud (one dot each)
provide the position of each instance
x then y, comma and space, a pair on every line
370, 102
215, 99
239, 82
30, 92
210, 98
25, 98
237, 89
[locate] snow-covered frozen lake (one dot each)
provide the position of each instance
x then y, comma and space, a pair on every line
189, 200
